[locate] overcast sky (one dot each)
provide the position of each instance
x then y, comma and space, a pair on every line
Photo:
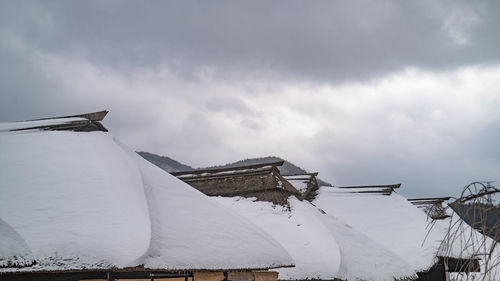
364, 92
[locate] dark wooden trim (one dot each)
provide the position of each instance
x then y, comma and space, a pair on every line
398, 185
385, 191
461, 265
238, 168
92, 116
78, 126
418, 203
113, 273
79, 275
243, 193
301, 174
473, 196
430, 199
225, 175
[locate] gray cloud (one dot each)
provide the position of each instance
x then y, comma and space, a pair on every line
327, 40
325, 85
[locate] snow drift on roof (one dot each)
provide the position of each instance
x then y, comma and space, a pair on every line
364, 258
462, 241
85, 200
314, 250
216, 237
377, 216
11, 244
407, 231
322, 246
390, 220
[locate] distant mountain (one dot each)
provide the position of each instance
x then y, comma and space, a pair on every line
166, 163
170, 165
286, 169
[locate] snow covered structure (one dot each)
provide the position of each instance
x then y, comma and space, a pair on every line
78, 204
262, 181
432, 206
305, 183
346, 233
322, 246
392, 221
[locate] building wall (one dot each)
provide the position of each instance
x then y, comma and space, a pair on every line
144, 276
266, 185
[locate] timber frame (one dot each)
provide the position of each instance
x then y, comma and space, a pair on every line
311, 181
386, 189
433, 206
441, 269
261, 181
89, 122
141, 275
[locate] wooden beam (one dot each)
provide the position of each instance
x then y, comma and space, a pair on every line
302, 174
265, 276
92, 116
200, 177
240, 276
238, 168
208, 276
398, 185
430, 198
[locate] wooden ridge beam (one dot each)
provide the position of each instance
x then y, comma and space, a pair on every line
238, 168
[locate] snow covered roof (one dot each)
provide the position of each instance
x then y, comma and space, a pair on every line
322, 246
73, 200
12, 247
390, 220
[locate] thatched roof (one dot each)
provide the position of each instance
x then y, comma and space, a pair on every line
394, 222
86, 202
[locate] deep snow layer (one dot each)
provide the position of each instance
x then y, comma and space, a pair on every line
390, 220
85, 200
322, 246
404, 229
12, 244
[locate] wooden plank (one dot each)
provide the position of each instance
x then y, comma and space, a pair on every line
169, 279
302, 174
208, 276
398, 185
62, 126
92, 116
474, 196
240, 276
224, 175
430, 199
218, 170
265, 276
